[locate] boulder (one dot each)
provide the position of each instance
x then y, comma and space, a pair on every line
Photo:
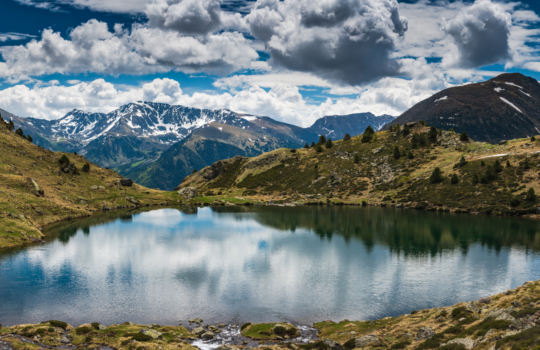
425, 333
516, 304
196, 320
333, 344
367, 340
126, 182
188, 192
505, 317
472, 307
152, 333
207, 335
468, 343
522, 324
198, 331
227, 347
285, 329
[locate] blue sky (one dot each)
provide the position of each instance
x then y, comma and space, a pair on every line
295, 61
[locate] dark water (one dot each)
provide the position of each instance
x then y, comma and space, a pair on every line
263, 264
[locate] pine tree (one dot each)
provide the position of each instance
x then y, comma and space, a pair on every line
356, 159
462, 161
454, 179
322, 140
410, 155
368, 134
64, 160
436, 176
482, 163
329, 143
525, 165
397, 154
464, 137
318, 148
86, 168
432, 135
406, 130
497, 167
531, 196
306, 146
415, 141
508, 165
194, 171
19, 132
347, 137
533, 138
29, 138
475, 179
490, 173
11, 126
312, 144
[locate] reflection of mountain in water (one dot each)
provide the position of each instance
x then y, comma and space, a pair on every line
403, 231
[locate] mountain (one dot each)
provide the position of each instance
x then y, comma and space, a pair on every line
502, 108
336, 126
414, 169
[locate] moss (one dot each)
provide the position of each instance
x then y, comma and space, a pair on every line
58, 324
82, 330
142, 337
259, 331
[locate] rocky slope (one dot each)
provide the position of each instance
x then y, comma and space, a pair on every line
509, 320
36, 189
337, 126
481, 109
355, 172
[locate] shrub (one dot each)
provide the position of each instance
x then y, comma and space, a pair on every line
86, 168
533, 138
318, 148
82, 330
41, 331
410, 155
245, 325
397, 154
350, 344
50, 329
58, 324
531, 196
293, 150
454, 179
515, 202
475, 180
347, 137
95, 325
400, 345
464, 137
490, 173
356, 159
329, 143
406, 130
64, 160
508, 165
497, 167
194, 171
364, 203
453, 346
432, 135
436, 176
142, 337
29, 138
322, 140
462, 161
454, 329
459, 312
19, 132
525, 164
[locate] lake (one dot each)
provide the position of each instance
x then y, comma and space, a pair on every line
240, 264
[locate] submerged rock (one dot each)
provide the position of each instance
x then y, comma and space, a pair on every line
198, 331
207, 335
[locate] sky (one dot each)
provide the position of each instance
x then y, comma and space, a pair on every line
292, 60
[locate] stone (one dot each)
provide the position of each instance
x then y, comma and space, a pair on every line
207, 335
227, 347
516, 304
126, 182
333, 344
467, 342
188, 192
94, 188
198, 331
102, 327
367, 340
425, 333
37, 190
472, 307
151, 332
505, 317
196, 320
522, 324
440, 319
284, 329
64, 340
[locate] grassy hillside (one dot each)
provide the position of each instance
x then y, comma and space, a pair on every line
35, 191
393, 168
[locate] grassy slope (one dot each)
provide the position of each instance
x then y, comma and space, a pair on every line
66, 196
306, 176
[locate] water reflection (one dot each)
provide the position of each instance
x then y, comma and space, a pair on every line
261, 264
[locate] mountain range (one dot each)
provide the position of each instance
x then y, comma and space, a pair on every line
505, 107
157, 144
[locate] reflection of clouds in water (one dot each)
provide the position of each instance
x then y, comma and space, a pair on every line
166, 265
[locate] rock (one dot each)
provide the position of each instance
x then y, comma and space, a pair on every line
213, 328
227, 347
516, 304
196, 320
472, 307
333, 344
126, 182
102, 327
503, 142
467, 342
336, 179
522, 324
198, 331
132, 200
64, 339
377, 150
425, 333
497, 312
505, 317
440, 319
151, 332
188, 192
284, 329
367, 340
207, 335
94, 188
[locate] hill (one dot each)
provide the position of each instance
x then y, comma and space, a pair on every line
336, 126
37, 190
480, 109
374, 173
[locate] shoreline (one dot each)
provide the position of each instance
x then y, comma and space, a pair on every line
504, 320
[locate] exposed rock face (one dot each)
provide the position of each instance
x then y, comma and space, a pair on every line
333, 345
472, 306
467, 342
188, 192
214, 171
505, 317
425, 333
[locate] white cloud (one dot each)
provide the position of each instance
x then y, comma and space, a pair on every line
93, 48
14, 36
348, 41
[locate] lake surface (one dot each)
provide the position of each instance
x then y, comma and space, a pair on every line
241, 264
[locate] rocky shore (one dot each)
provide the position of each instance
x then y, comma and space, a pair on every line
509, 320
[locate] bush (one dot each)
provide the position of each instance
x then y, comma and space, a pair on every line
459, 312
515, 202
29, 138
19, 132
464, 137
400, 345
86, 168
508, 165
82, 330
142, 337
364, 203
454, 179
347, 137
531, 196
58, 324
95, 325
293, 150
64, 160
245, 325
318, 148
432, 135
525, 164
410, 155
194, 171
475, 180
41, 331
356, 159
436, 176
397, 154
329, 143
497, 167
350, 344
533, 138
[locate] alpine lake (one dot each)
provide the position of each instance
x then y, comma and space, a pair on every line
262, 264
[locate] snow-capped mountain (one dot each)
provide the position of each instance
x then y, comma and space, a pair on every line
336, 126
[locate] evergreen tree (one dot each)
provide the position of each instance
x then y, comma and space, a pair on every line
329, 143
515, 202
462, 161
533, 138
497, 167
11, 126
64, 160
410, 155
356, 159
312, 144
19, 132
29, 138
415, 141
406, 130
306, 146
423, 141
194, 171
432, 135
86, 168
475, 179
525, 165
454, 179
322, 140
75, 153
482, 163
531, 196
347, 137
397, 154
464, 137
508, 165
368, 134
490, 173
436, 176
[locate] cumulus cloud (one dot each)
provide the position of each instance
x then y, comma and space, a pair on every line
348, 41
481, 34
93, 48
